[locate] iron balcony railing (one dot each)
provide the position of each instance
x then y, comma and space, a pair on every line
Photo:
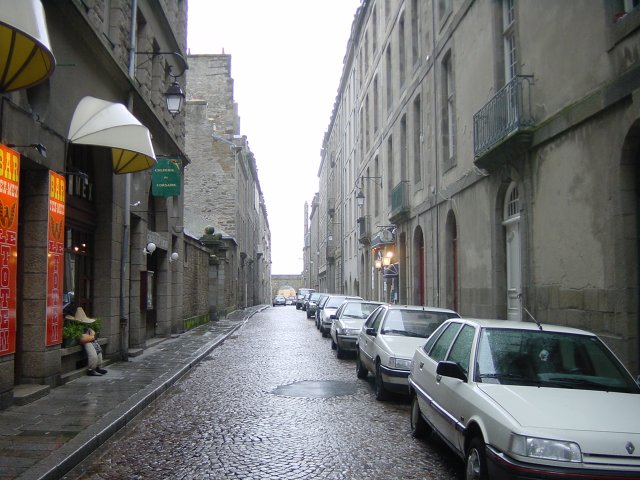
507, 112
399, 200
364, 229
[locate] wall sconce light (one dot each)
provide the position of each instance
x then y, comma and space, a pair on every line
360, 198
174, 256
375, 179
149, 249
378, 264
174, 95
41, 149
386, 261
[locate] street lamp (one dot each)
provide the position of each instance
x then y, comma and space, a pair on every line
360, 196
175, 98
174, 95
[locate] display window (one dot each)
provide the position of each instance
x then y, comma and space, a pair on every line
78, 269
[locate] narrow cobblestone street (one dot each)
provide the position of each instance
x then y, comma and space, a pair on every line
272, 402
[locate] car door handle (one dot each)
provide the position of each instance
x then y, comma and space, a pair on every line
421, 365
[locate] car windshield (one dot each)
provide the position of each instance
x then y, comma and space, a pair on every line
413, 323
358, 310
334, 302
549, 359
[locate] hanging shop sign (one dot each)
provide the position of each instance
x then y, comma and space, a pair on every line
165, 177
55, 258
391, 270
9, 195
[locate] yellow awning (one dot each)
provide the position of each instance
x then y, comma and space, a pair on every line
25, 53
106, 124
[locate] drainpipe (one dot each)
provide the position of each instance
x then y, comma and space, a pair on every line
437, 185
126, 224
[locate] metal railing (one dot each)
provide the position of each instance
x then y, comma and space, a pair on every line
364, 228
508, 111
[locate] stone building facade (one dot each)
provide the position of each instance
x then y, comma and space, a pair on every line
222, 188
120, 56
494, 148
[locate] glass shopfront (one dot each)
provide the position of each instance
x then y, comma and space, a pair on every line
78, 269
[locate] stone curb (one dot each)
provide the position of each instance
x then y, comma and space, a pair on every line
65, 458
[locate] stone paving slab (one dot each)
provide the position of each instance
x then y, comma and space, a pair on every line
45, 439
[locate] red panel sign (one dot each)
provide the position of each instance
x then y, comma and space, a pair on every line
9, 194
55, 258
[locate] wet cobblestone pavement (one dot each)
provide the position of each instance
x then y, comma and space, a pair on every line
272, 402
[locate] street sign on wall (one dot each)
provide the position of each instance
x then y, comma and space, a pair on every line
165, 177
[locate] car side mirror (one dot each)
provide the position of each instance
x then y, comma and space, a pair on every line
451, 369
370, 331
333, 316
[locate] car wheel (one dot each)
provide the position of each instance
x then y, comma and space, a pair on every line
339, 351
419, 428
476, 462
381, 393
361, 371
333, 344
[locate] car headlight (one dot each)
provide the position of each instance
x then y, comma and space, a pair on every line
546, 448
400, 363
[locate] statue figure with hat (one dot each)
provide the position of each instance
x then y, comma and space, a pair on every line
90, 343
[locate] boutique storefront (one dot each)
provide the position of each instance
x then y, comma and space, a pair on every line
77, 209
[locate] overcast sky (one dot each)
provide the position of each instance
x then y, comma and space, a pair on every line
286, 62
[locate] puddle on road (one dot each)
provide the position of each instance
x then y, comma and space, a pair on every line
316, 389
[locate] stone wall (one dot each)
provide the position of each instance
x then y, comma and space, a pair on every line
196, 279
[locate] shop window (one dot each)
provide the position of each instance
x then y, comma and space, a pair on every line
78, 270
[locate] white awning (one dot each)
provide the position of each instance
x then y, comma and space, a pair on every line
25, 52
106, 124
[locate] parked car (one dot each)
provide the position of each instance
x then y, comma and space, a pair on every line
521, 400
347, 322
388, 339
311, 303
290, 300
300, 296
328, 309
279, 300
321, 301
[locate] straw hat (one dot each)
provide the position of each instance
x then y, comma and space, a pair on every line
80, 316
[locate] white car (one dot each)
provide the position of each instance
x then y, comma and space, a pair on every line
329, 308
389, 338
526, 400
347, 322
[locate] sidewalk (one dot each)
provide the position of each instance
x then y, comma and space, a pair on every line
48, 437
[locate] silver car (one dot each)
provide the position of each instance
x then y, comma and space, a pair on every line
347, 323
389, 338
328, 309
525, 400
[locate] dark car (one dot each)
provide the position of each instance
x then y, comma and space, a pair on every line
311, 303
301, 296
279, 300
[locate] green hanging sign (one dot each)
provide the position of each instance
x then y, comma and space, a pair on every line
165, 177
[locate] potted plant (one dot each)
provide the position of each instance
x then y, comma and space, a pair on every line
72, 330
